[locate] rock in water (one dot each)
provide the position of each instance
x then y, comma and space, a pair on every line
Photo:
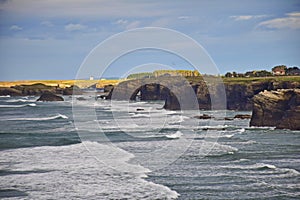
241, 116
49, 96
280, 109
204, 116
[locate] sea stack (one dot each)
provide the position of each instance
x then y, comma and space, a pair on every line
49, 96
280, 109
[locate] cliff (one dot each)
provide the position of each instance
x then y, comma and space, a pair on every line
37, 89
237, 95
280, 109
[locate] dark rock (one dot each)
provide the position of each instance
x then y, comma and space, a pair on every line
176, 92
49, 96
81, 99
280, 109
108, 88
10, 91
204, 116
140, 109
34, 89
73, 90
240, 116
228, 119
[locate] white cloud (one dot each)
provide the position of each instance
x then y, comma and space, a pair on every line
121, 22
293, 14
74, 27
15, 28
246, 17
291, 21
47, 23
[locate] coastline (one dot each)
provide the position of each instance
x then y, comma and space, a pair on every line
61, 83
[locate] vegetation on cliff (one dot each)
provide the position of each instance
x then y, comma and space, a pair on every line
158, 73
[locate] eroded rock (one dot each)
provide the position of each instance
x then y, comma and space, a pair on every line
280, 109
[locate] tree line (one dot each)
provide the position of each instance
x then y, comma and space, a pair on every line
279, 70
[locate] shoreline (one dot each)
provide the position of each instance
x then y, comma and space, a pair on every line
86, 83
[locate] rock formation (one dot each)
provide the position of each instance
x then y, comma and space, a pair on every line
280, 109
73, 90
34, 89
237, 95
38, 89
241, 116
49, 96
176, 92
10, 91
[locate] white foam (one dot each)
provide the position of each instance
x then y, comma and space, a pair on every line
58, 116
176, 135
141, 116
228, 136
20, 100
253, 166
71, 172
18, 106
213, 127
5, 96
242, 130
261, 128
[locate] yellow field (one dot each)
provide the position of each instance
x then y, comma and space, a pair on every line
62, 83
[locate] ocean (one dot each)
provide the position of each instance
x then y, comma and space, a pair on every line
135, 150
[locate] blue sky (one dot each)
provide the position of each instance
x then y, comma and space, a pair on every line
49, 39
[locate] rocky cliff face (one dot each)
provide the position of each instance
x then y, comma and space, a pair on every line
280, 109
38, 89
175, 91
237, 95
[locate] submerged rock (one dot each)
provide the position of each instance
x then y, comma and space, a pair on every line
280, 109
49, 96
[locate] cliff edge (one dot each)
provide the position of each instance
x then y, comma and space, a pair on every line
280, 109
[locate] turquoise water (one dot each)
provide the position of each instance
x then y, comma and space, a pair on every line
42, 156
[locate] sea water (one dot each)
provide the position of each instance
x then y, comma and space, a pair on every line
44, 153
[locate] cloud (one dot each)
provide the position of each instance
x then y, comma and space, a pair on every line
246, 17
121, 22
15, 28
74, 27
47, 23
183, 17
291, 21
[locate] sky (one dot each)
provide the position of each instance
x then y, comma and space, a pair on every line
50, 39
